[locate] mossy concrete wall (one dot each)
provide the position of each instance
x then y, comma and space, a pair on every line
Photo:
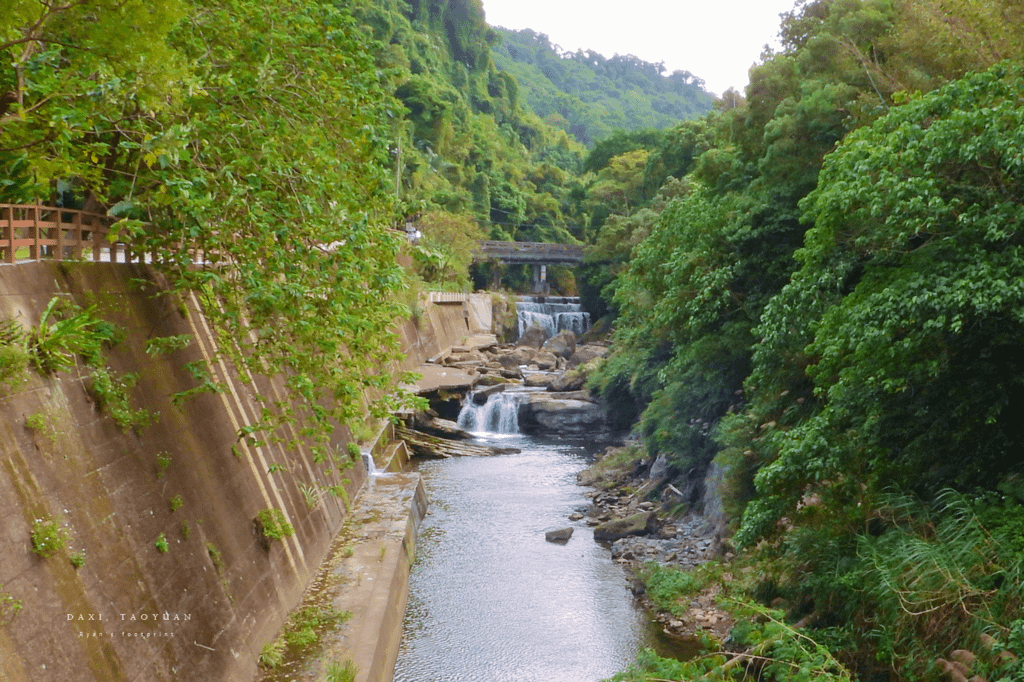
201, 610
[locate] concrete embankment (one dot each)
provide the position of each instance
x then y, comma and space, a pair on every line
165, 573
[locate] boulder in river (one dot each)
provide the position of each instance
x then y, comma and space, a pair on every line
568, 381
520, 356
585, 354
544, 413
545, 360
643, 523
562, 344
533, 337
561, 535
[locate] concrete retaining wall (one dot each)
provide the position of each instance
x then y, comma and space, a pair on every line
203, 609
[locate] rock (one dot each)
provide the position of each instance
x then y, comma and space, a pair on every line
517, 357
637, 524
585, 354
562, 344
571, 395
568, 381
542, 414
533, 337
561, 535
659, 469
599, 330
481, 395
491, 379
537, 380
512, 373
442, 428
545, 360
575, 516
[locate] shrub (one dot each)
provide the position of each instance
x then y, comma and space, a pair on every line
341, 672
272, 654
52, 346
161, 543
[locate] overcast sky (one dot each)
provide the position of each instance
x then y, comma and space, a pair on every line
716, 40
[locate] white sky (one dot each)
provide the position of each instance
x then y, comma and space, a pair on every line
717, 40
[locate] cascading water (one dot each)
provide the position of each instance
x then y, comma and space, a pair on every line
553, 313
498, 415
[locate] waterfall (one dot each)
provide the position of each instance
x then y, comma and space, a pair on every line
553, 313
500, 414
371, 466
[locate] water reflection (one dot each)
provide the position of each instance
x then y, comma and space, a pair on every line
491, 600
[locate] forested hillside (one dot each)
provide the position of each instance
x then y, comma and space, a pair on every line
590, 95
816, 286
827, 304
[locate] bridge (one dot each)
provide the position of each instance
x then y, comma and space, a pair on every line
518, 253
538, 254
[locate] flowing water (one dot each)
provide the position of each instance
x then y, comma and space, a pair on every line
553, 313
492, 601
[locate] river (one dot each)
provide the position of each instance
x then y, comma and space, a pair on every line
490, 599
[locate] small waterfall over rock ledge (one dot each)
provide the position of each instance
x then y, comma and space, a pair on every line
499, 414
553, 313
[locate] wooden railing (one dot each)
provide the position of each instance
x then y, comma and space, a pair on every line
29, 232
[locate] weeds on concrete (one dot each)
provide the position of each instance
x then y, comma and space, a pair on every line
176, 503
14, 357
66, 330
161, 543
201, 373
272, 654
111, 395
164, 345
274, 525
9, 608
215, 557
40, 423
163, 460
48, 537
311, 494
341, 672
78, 559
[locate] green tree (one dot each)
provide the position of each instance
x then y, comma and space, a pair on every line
905, 312
80, 79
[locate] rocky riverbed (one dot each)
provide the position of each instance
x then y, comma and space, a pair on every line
640, 531
635, 512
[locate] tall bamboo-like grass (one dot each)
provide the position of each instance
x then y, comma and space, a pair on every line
939, 579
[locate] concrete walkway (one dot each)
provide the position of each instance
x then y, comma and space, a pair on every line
366, 573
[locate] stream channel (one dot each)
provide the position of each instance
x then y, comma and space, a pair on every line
490, 599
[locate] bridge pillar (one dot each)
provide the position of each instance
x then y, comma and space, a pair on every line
540, 279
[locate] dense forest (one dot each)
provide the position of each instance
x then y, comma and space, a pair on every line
824, 301
816, 286
591, 96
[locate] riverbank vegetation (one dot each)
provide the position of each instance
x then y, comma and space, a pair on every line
816, 286
826, 311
